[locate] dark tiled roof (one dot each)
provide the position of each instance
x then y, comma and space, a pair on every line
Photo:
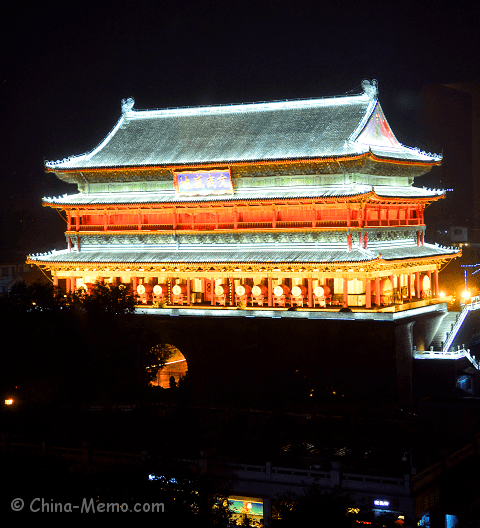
259, 193
316, 128
266, 255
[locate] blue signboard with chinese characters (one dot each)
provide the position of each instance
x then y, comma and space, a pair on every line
203, 182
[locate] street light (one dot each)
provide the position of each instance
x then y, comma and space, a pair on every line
476, 271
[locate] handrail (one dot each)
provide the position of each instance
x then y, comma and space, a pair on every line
474, 305
450, 354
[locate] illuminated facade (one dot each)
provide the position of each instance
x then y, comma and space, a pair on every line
304, 203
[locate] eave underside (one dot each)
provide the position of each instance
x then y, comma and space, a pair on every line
305, 195
366, 163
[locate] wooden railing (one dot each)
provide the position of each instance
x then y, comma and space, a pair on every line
212, 226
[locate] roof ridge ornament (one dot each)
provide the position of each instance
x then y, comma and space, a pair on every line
127, 105
370, 88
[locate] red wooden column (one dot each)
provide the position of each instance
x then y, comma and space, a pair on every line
55, 281
377, 291
361, 217
174, 219
345, 291
172, 284
409, 286
270, 292
77, 221
310, 293
435, 283
69, 221
67, 284
231, 292
399, 286
212, 290
189, 288
134, 284
417, 284
368, 293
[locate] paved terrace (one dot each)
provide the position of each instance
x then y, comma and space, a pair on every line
390, 313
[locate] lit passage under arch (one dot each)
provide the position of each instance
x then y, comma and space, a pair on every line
175, 367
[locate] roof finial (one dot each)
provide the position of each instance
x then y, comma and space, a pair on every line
370, 88
127, 104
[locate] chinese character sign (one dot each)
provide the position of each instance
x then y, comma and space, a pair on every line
203, 182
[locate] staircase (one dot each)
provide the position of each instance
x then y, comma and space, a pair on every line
445, 327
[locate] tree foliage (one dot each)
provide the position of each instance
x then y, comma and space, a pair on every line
329, 507
79, 346
106, 298
37, 297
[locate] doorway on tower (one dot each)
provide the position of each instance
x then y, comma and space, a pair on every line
175, 369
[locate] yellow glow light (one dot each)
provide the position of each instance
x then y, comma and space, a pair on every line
442, 294
9, 402
466, 294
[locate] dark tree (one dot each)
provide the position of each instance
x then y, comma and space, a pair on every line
77, 347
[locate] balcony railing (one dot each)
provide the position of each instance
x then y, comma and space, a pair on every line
450, 354
211, 226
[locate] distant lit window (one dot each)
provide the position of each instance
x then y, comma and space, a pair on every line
424, 521
451, 521
464, 382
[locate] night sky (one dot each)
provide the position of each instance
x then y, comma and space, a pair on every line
65, 66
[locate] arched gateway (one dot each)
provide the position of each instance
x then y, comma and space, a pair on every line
264, 204
174, 370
